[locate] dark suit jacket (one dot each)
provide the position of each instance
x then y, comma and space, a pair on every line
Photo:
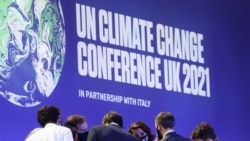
109, 133
173, 136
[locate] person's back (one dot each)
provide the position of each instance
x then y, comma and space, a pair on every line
173, 136
111, 130
52, 132
110, 133
49, 118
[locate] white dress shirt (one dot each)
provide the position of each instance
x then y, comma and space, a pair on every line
52, 132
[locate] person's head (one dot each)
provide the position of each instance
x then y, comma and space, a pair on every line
164, 121
203, 132
48, 114
141, 130
77, 121
112, 117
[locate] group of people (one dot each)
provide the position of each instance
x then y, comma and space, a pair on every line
75, 128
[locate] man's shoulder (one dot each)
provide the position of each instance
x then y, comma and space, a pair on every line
174, 136
132, 137
98, 127
112, 132
51, 126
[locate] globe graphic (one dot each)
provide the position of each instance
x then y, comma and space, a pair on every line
32, 50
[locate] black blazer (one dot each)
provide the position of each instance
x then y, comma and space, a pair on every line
173, 136
110, 133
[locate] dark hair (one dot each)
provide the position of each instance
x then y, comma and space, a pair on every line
144, 127
165, 119
113, 116
73, 131
203, 131
74, 120
48, 114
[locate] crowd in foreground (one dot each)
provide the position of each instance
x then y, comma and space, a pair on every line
76, 129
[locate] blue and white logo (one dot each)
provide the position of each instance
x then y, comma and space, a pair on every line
32, 50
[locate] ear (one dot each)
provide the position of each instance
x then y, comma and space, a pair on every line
59, 121
104, 123
157, 126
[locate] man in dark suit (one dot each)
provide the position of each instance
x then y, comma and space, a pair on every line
164, 124
111, 130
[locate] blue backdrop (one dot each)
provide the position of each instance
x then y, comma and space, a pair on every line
139, 58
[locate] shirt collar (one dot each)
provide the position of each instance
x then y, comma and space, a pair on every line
168, 131
113, 123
